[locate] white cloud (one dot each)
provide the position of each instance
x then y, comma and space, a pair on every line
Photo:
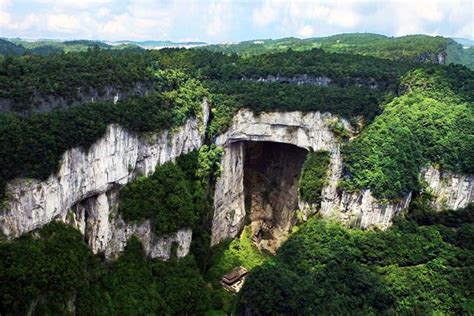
230, 20
73, 4
266, 14
306, 31
63, 23
102, 12
219, 14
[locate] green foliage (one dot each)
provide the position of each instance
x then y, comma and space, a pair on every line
231, 254
8, 48
52, 269
262, 97
457, 54
431, 123
164, 197
339, 130
342, 69
223, 108
136, 285
314, 176
176, 195
69, 75
33, 146
209, 162
44, 268
325, 268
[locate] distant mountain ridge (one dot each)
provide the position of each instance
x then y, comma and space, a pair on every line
415, 48
463, 41
19, 46
152, 43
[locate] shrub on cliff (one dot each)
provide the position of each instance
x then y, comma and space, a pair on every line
314, 176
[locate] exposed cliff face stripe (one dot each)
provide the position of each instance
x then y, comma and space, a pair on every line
450, 190
112, 161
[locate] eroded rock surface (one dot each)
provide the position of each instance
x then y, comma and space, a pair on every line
312, 130
44, 103
451, 191
106, 232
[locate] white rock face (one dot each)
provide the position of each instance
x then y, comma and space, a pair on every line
451, 191
106, 232
360, 209
364, 211
113, 161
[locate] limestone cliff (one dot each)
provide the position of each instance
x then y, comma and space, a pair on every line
84, 191
106, 232
449, 190
84, 177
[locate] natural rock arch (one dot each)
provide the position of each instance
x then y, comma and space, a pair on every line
310, 130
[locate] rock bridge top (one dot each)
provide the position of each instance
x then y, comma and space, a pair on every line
305, 130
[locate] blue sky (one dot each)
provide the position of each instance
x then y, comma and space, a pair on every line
230, 20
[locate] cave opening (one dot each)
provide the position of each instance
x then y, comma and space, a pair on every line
271, 176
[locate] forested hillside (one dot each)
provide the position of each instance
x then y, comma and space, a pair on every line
424, 264
48, 47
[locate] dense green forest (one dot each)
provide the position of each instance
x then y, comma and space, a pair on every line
18, 47
361, 87
69, 75
431, 123
55, 267
422, 265
176, 195
314, 176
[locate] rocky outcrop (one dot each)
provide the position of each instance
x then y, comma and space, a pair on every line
114, 160
449, 190
305, 79
39, 103
359, 209
432, 57
363, 210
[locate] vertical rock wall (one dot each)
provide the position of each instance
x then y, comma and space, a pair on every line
450, 191
106, 232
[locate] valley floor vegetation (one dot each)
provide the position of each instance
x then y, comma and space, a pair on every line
423, 264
